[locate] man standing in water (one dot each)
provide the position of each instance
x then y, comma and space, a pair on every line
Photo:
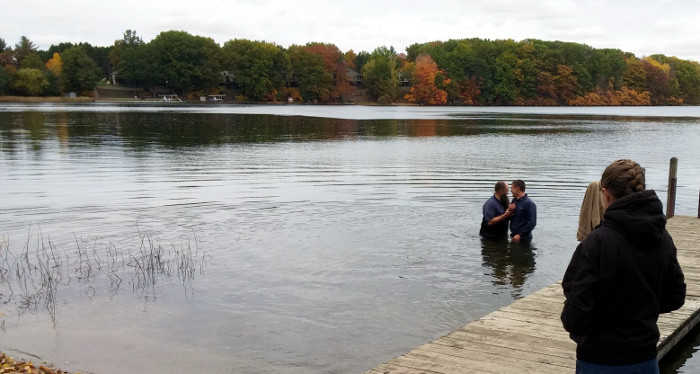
525, 214
496, 213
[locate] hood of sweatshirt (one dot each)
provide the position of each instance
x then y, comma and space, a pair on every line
639, 217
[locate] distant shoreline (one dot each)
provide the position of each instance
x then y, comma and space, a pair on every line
87, 99
46, 99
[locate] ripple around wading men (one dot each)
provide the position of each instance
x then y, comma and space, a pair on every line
31, 278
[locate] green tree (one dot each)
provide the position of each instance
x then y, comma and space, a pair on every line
55, 48
381, 74
417, 49
635, 76
23, 48
30, 82
128, 40
481, 66
4, 80
505, 79
584, 80
100, 56
608, 67
361, 59
79, 72
686, 77
260, 69
184, 62
137, 67
527, 78
53, 88
310, 74
32, 61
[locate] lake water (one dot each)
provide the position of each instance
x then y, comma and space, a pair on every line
291, 239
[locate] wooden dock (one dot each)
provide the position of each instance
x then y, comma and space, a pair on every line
527, 336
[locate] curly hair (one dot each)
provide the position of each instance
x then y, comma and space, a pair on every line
622, 178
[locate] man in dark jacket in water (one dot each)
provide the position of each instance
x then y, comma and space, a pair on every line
621, 277
496, 212
524, 215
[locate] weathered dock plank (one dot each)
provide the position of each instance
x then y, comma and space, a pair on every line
527, 336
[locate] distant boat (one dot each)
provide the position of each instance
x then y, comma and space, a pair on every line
216, 98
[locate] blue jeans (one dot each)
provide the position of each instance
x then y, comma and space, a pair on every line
646, 367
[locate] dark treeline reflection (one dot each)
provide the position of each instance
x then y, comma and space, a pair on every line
172, 129
510, 263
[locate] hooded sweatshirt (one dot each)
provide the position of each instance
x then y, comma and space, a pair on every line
620, 278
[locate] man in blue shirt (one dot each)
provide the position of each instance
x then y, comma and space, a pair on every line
525, 213
496, 213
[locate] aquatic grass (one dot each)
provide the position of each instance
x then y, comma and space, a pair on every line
32, 278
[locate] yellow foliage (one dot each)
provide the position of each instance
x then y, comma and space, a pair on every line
675, 101
626, 96
55, 65
664, 67
590, 99
623, 96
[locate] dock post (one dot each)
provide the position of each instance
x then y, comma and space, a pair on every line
672, 183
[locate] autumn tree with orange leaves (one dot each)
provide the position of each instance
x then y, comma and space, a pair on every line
336, 66
424, 90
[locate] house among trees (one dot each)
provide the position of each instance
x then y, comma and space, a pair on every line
404, 80
354, 77
228, 80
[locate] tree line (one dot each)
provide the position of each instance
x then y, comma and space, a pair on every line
458, 72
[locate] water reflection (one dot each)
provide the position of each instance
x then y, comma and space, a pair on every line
511, 263
140, 130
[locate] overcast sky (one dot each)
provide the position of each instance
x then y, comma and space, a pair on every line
643, 27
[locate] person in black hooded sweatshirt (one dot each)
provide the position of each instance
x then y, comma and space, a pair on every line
621, 277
